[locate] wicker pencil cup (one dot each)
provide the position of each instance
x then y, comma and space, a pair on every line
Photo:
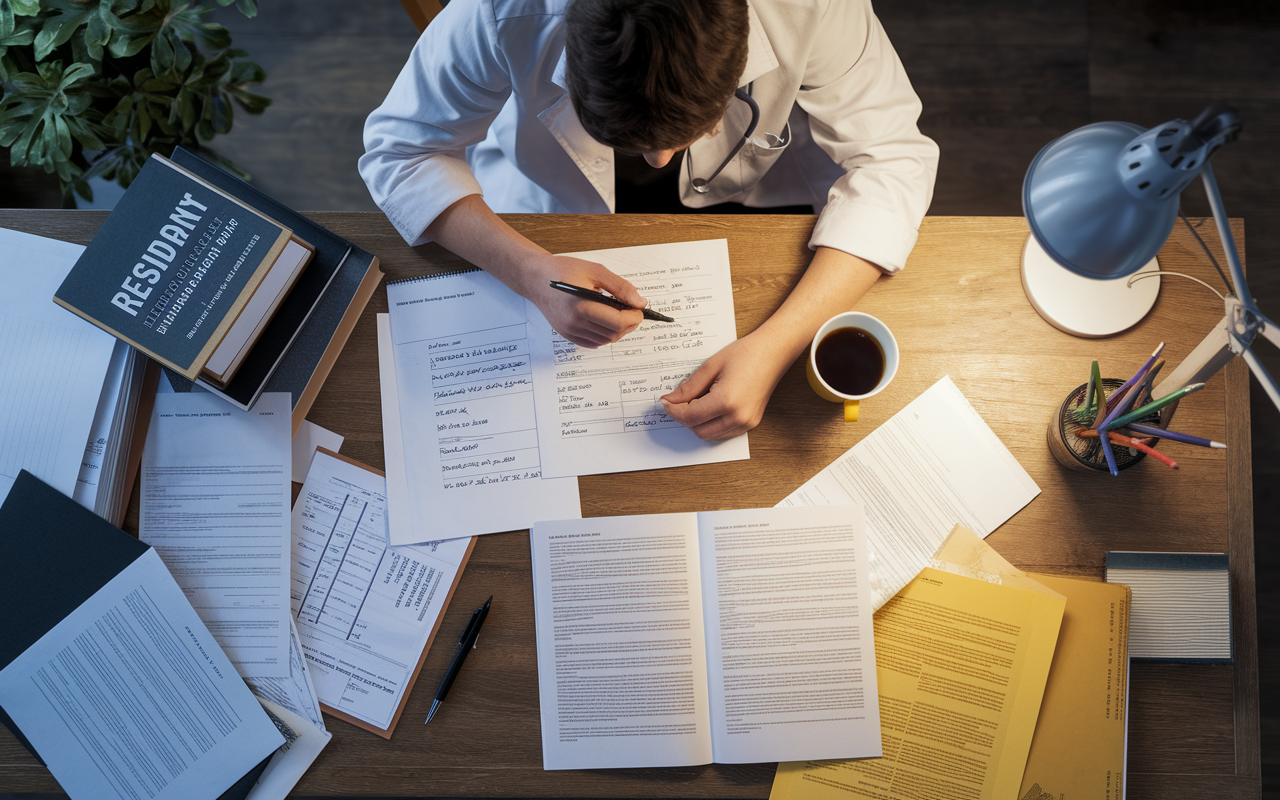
1085, 455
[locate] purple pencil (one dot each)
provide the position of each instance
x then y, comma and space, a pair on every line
1118, 394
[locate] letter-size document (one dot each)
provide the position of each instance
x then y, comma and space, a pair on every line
931, 466
598, 410
460, 415
215, 504
726, 636
108, 672
962, 665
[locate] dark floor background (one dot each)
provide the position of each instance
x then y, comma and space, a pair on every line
998, 78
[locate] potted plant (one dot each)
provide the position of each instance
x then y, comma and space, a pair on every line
94, 87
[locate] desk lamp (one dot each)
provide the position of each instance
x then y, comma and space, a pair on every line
1101, 201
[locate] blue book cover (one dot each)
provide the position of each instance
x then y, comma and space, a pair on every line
173, 266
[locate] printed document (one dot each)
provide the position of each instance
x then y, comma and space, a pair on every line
52, 365
464, 404
598, 410
215, 504
95, 451
188, 728
726, 636
962, 665
931, 466
365, 611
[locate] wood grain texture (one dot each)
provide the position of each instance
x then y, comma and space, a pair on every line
958, 310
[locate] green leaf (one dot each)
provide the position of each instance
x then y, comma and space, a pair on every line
25, 8
7, 21
57, 30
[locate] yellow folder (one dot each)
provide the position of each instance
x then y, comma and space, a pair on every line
961, 663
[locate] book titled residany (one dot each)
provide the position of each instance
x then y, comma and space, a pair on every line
173, 266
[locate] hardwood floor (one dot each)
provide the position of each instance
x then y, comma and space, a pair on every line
998, 79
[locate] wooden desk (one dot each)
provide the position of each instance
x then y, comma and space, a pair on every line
958, 309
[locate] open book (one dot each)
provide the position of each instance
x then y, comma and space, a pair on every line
725, 636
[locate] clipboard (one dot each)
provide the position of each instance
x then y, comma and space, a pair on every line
426, 648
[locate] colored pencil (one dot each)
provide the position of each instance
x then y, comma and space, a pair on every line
1174, 436
1126, 441
1150, 408
1137, 376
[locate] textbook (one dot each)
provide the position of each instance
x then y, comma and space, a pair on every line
173, 266
733, 637
1181, 605
299, 345
100, 651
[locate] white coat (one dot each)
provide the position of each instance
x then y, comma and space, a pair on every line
481, 107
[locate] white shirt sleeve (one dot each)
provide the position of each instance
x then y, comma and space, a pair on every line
863, 112
452, 87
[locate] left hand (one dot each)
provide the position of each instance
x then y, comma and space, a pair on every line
727, 395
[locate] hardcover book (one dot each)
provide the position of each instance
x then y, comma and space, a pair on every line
173, 266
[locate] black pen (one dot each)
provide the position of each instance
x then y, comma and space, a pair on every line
465, 645
587, 294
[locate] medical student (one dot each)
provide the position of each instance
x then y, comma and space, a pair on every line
521, 105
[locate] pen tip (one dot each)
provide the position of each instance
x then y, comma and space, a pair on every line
435, 704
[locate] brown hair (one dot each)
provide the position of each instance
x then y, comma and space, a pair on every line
648, 75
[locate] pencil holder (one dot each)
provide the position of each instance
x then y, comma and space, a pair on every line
1085, 455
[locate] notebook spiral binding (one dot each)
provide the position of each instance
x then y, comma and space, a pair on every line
446, 274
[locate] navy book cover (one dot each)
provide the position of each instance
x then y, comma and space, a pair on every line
173, 266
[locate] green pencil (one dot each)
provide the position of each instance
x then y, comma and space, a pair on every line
1153, 406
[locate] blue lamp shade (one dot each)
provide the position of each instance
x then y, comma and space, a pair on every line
1103, 199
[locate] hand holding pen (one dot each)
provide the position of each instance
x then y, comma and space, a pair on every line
612, 302
584, 322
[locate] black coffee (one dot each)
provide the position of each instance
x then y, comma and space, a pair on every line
850, 360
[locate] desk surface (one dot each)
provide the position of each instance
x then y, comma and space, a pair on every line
957, 309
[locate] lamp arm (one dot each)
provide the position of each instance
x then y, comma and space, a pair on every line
1264, 378
1224, 233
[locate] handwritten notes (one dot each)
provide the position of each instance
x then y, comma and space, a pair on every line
598, 409
458, 408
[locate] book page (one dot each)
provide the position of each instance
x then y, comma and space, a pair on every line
622, 670
598, 410
962, 665
215, 505
365, 611
931, 466
129, 696
790, 655
464, 385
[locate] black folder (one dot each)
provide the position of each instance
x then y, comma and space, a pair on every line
56, 555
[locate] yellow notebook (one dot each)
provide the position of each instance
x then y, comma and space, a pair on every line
962, 664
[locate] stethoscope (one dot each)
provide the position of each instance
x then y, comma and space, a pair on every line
767, 141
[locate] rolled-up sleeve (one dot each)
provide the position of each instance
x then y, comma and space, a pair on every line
863, 113
450, 90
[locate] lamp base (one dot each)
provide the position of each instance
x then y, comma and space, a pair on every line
1082, 306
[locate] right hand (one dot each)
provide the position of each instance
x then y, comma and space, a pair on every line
583, 322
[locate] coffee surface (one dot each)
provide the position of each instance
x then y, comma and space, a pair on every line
850, 360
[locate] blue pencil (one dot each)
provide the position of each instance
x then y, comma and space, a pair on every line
1174, 436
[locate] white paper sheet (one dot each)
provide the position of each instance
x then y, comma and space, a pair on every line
303, 743
52, 365
305, 441
468, 428
215, 504
297, 693
95, 451
931, 466
364, 610
598, 410
189, 729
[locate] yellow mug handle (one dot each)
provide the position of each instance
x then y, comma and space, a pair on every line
850, 410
